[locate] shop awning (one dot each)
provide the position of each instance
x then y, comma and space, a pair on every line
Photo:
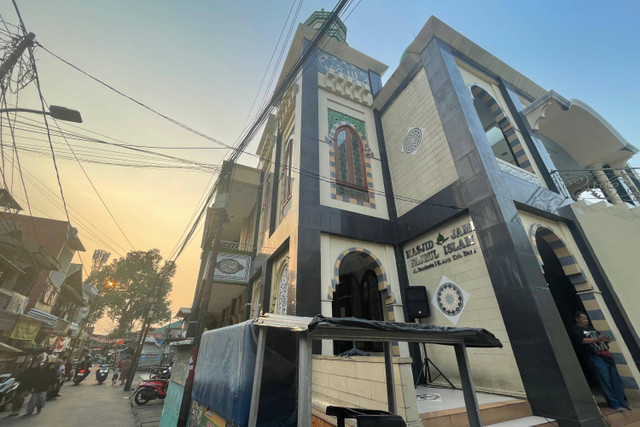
579, 129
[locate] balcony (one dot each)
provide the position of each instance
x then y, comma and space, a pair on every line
613, 185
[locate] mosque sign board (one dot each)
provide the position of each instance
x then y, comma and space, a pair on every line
444, 246
232, 267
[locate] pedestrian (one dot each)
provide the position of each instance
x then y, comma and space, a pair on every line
114, 378
26, 379
593, 349
125, 369
45, 378
68, 368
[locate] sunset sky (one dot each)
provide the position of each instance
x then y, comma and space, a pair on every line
201, 63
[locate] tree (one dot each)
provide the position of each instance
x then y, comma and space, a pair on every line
127, 284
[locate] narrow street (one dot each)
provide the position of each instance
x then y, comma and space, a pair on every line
85, 404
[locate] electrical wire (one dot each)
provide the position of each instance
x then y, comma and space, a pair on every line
95, 189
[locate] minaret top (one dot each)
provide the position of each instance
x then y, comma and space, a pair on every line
338, 30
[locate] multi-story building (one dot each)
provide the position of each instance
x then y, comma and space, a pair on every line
41, 290
460, 175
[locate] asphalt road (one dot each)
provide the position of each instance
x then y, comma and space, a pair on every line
88, 403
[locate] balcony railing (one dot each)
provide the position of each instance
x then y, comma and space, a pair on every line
610, 184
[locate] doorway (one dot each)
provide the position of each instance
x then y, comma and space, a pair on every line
562, 289
357, 295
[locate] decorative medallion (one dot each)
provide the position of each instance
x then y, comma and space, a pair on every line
412, 140
283, 289
450, 299
229, 266
233, 267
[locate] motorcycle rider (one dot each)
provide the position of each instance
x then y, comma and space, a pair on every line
85, 364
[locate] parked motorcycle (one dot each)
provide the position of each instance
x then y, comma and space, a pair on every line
160, 373
150, 389
80, 375
8, 388
102, 373
55, 388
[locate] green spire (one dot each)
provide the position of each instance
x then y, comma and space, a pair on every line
337, 31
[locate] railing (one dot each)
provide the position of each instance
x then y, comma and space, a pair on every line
609, 184
235, 246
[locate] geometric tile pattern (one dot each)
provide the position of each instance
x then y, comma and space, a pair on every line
505, 126
586, 293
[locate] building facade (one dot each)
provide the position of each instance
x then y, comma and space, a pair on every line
460, 175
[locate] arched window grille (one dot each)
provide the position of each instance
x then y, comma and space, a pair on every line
350, 169
286, 172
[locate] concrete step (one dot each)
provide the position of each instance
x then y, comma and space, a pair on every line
525, 422
492, 413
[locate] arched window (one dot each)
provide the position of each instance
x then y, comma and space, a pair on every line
350, 170
286, 172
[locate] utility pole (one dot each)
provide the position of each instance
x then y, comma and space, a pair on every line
10, 62
143, 335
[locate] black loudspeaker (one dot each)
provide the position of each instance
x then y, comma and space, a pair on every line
416, 300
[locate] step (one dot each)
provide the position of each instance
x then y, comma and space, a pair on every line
617, 419
492, 413
525, 422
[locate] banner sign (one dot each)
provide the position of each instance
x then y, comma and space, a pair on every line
233, 267
105, 340
26, 329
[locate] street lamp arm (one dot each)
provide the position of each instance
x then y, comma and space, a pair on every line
61, 113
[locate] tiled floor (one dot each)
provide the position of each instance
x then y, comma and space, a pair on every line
450, 399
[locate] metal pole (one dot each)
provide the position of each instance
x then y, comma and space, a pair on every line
257, 378
391, 386
469, 392
8, 65
221, 217
143, 336
304, 380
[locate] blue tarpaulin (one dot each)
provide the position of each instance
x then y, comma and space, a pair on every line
224, 375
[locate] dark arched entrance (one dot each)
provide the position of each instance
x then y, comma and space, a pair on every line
357, 295
563, 291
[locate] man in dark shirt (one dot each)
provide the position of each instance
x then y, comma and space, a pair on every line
45, 378
592, 348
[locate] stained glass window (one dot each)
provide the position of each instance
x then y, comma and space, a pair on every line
349, 164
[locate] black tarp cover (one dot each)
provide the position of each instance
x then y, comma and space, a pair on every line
224, 375
472, 337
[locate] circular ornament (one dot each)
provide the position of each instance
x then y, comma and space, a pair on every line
229, 266
412, 140
450, 299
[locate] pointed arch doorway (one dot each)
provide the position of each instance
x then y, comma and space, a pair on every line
358, 294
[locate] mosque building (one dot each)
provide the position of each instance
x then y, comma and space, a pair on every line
511, 204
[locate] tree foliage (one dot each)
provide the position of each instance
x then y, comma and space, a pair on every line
126, 286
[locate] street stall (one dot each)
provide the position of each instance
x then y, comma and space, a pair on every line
258, 373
